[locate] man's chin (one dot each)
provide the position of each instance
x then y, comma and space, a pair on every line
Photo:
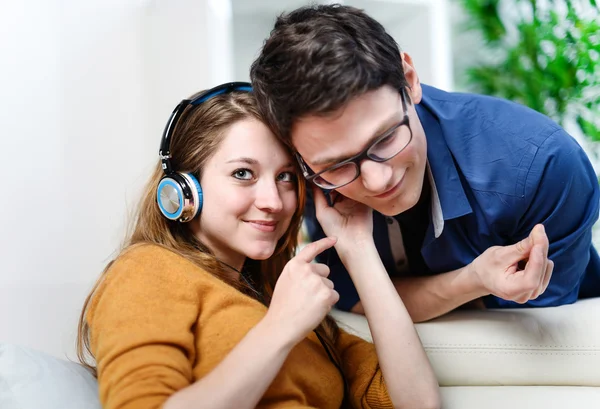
391, 207
390, 212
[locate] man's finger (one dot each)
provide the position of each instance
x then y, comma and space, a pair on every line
312, 250
320, 199
544, 281
539, 237
547, 275
536, 266
518, 251
544, 268
318, 194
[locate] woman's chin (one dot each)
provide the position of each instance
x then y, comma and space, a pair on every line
260, 253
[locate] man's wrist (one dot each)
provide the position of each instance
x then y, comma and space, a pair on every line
472, 280
358, 249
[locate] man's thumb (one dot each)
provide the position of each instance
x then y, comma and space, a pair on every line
519, 250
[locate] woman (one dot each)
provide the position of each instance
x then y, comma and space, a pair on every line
206, 307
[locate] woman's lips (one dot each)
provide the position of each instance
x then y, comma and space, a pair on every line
263, 225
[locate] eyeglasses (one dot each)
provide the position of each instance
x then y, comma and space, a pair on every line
384, 148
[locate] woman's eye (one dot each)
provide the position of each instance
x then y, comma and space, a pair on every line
243, 174
286, 177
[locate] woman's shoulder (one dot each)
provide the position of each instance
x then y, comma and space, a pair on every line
153, 264
152, 254
150, 273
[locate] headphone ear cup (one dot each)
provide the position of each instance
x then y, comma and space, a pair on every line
179, 196
196, 190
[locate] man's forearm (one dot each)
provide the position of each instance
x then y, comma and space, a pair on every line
429, 297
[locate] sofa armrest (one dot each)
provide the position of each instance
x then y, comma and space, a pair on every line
544, 346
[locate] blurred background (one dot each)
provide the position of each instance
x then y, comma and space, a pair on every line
87, 86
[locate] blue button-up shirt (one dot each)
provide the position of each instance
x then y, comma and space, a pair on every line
497, 169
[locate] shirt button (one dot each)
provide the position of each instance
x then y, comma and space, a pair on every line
389, 220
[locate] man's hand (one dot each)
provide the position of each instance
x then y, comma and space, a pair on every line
519, 272
350, 221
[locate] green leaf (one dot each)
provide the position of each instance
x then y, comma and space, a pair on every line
589, 129
548, 60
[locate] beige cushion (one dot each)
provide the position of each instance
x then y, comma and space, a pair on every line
545, 346
520, 397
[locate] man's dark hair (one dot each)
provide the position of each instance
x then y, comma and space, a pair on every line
317, 58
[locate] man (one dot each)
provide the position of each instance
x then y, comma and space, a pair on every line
476, 200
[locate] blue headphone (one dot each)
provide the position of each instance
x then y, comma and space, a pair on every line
179, 195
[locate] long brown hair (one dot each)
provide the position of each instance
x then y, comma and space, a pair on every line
194, 141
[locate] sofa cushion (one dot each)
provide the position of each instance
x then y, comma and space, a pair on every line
545, 346
35, 380
520, 397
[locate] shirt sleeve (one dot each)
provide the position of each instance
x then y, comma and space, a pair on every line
338, 273
360, 364
565, 198
141, 322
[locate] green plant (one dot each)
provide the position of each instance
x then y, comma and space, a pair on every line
543, 54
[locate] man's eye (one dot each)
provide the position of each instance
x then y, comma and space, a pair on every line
243, 174
388, 139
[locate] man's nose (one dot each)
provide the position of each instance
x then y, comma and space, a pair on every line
375, 176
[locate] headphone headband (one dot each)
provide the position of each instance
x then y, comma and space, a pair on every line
165, 143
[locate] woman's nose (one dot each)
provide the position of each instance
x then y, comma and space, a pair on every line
268, 197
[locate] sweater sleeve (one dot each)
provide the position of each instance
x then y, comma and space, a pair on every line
142, 320
360, 364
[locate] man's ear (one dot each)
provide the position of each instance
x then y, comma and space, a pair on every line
412, 78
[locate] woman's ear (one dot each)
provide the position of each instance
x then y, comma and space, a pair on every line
412, 78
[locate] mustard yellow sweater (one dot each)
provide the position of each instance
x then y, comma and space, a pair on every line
159, 323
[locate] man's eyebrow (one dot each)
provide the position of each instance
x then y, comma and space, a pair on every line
385, 126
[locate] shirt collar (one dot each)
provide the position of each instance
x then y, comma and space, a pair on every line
449, 200
437, 215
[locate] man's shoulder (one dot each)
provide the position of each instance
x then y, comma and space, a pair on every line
504, 114
494, 142
473, 114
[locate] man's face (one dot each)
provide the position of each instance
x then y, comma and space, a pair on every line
390, 187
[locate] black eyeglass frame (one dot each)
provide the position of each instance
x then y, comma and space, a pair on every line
165, 143
310, 175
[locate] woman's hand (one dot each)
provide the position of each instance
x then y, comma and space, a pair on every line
350, 221
303, 295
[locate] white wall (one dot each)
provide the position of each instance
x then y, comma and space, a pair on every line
86, 89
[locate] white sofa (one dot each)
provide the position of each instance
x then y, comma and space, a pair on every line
518, 358
510, 359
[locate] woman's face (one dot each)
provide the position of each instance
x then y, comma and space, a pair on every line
249, 194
